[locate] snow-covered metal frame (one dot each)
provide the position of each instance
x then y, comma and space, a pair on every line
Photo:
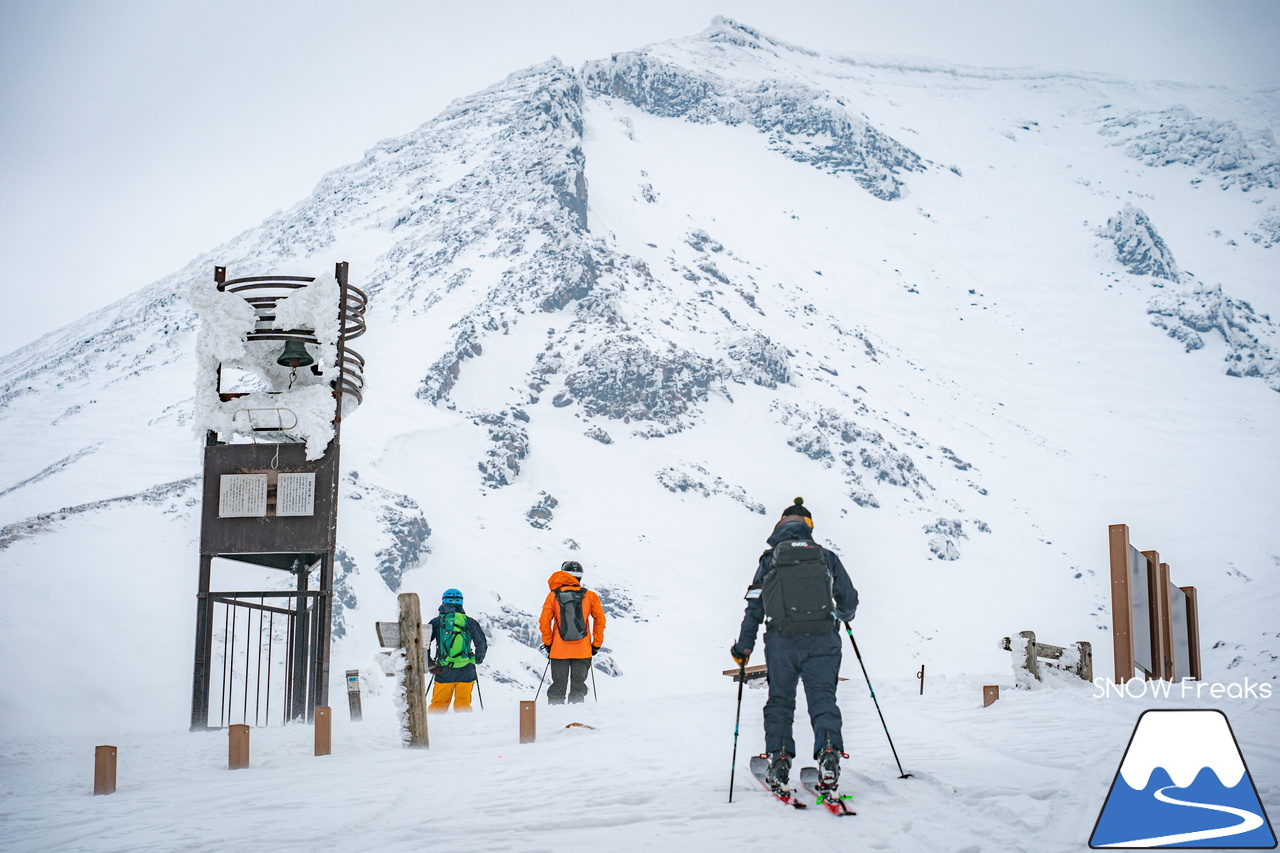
1155, 624
244, 320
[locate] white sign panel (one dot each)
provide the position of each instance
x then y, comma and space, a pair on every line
1139, 592
242, 496
296, 494
1181, 639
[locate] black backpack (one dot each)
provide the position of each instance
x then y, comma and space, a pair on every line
797, 590
571, 623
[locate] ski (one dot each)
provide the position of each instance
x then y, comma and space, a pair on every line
835, 802
759, 769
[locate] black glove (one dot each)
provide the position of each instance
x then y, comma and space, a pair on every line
546, 649
594, 649
740, 656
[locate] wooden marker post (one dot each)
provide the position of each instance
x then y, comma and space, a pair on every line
415, 685
528, 720
237, 747
990, 693
104, 770
324, 731
1121, 602
1193, 629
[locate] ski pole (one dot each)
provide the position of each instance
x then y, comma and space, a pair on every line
593, 680
479, 695
742, 679
540, 680
848, 630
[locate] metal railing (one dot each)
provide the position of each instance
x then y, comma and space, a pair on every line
260, 655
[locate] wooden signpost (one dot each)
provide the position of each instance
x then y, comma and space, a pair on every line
406, 634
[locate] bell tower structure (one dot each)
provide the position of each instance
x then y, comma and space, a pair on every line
275, 379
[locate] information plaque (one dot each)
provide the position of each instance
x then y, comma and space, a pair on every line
242, 496
296, 494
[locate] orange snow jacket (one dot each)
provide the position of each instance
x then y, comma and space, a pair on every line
549, 622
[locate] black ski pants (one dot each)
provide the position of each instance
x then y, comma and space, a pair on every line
815, 659
570, 674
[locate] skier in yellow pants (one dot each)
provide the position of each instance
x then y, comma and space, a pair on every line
459, 644
459, 692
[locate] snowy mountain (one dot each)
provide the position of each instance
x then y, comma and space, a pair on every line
627, 312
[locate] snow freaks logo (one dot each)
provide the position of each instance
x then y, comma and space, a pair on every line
1105, 688
1183, 783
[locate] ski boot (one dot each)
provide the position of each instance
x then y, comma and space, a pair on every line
779, 770
829, 766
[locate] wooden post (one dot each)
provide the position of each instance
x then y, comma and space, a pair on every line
415, 685
324, 730
528, 720
1084, 663
1193, 630
237, 747
990, 693
1031, 662
1121, 602
353, 695
104, 770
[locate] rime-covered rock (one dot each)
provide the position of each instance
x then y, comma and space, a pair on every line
1221, 150
1193, 309
803, 122
509, 444
1139, 248
626, 379
541, 514
688, 477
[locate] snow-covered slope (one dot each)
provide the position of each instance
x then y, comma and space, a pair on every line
626, 313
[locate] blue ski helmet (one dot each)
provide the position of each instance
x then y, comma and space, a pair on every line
451, 596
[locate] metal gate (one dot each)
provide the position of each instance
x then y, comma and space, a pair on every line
260, 655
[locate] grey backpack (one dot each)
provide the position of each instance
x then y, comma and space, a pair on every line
797, 590
571, 624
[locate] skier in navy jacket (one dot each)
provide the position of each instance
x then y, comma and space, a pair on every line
790, 657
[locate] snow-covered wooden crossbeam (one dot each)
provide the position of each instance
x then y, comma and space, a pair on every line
1076, 658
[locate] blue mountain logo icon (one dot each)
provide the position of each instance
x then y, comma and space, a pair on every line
1183, 783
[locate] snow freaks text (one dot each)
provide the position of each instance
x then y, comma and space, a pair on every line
1105, 688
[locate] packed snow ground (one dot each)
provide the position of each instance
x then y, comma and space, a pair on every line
1030, 773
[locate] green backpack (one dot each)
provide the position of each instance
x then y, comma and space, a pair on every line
453, 641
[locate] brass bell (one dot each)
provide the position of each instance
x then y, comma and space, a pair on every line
295, 355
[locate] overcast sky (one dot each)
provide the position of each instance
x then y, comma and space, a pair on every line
136, 134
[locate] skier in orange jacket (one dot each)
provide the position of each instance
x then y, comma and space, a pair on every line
572, 624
